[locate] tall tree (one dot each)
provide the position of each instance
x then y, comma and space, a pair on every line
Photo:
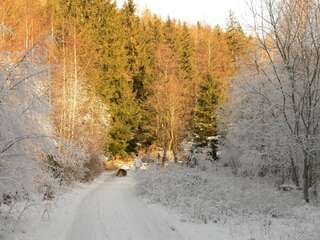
237, 40
130, 24
139, 54
205, 115
114, 82
169, 103
185, 53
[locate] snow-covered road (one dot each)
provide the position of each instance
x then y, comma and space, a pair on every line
112, 211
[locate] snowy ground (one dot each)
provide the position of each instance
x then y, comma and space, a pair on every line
52, 219
241, 207
111, 208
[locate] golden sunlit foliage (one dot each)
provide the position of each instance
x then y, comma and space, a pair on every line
122, 81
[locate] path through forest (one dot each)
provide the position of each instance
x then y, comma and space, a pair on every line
113, 211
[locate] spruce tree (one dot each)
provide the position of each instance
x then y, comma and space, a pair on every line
205, 114
135, 47
138, 66
130, 24
185, 53
236, 38
113, 82
170, 34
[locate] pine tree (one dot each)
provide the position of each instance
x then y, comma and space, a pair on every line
205, 115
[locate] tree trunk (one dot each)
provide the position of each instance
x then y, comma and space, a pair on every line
306, 183
294, 174
63, 123
75, 86
164, 157
175, 154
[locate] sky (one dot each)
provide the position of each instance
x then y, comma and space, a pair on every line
209, 11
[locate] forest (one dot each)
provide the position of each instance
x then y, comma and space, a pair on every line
117, 82
88, 83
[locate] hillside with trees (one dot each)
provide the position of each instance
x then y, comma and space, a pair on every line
106, 64
88, 83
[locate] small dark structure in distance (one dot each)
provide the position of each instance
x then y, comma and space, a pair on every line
121, 173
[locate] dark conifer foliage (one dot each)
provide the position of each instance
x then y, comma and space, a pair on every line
205, 114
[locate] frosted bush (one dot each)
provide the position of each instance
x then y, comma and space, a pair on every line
250, 163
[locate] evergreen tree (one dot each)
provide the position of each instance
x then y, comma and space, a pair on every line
114, 84
136, 51
130, 24
170, 35
139, 54
205, 115
185, 53
125, 118
237, 40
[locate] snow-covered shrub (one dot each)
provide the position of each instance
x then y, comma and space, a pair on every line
68, 164
194, 155
72, 163
250, 164
94, 166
